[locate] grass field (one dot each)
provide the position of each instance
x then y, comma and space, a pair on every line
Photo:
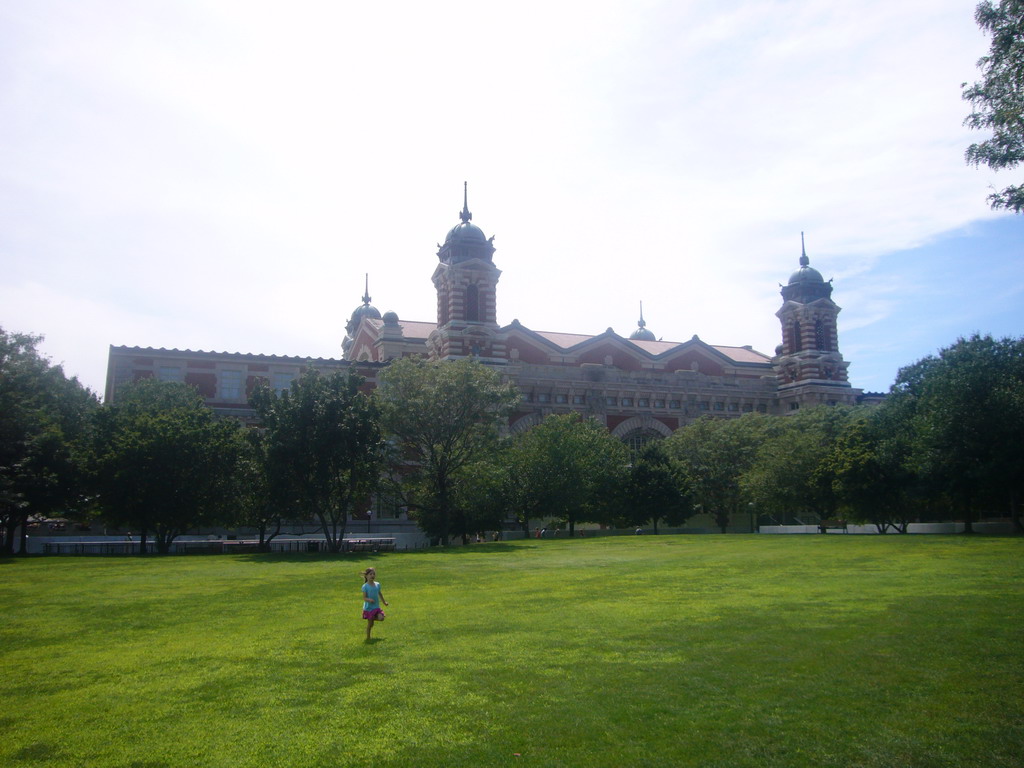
630, 651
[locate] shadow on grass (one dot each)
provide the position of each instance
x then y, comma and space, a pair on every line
493, 548
269, 558
37, 751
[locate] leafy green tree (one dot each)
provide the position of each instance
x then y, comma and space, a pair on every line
790, 474
655, 489
713, 454
568, 468
514, 490
998, 98
163, 463
479, 500
869, 469
44, 421
965, 411
324, 449
441, 416
262, 500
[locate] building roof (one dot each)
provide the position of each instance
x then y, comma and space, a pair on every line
411, 329
240, 356
567, 341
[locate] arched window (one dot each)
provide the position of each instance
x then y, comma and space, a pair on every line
796, 344
821, 336
472, 303
638, 439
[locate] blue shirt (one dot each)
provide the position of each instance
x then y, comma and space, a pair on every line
371, 591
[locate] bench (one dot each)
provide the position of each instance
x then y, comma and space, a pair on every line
832, 525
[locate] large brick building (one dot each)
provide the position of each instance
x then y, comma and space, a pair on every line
639, 386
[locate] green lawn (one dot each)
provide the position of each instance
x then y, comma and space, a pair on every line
631, 651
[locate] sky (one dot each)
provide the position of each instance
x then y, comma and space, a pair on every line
221, 175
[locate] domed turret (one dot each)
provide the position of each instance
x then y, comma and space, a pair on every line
808, 364
465, 241
806, 284
806, 273
466, 281
465, 232
363, 310
642, 333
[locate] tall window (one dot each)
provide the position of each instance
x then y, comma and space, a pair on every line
796, 345
230, 385
637, 439
821, 336
472, 303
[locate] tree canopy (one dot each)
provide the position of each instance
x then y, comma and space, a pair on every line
323, 449
790, 475
964, 411
163, 462
868, 466
997, 99
567, 467
655, 489
44, 420
442, 417
713, 455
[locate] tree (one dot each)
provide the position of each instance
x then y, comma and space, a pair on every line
998, 98
790, 474
965, 409
713, 455
655, 489
569, 468
163, 463
479, 500
324, 451
442, 416
869, 470
44, 420
516, 491
261, 503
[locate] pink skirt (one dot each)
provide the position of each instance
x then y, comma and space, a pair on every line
376, 614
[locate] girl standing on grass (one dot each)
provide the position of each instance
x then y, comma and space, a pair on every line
372, 599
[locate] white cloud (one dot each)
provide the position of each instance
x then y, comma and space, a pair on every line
222, 174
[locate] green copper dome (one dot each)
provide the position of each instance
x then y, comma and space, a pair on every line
806, 284
465, 232
465, 241
806, 273
642, 332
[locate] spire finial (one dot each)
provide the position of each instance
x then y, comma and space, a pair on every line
366, 292
641, 323
804, 261
465, 215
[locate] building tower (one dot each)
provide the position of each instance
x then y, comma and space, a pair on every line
363, 310
808, 365
466, 282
